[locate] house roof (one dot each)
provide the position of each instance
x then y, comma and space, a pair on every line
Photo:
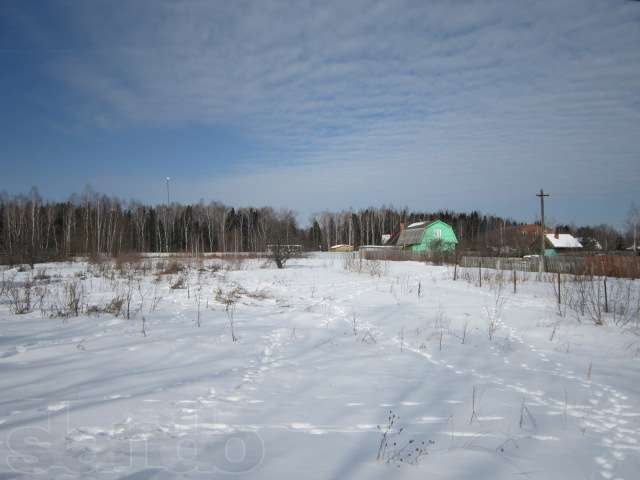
393, 240
410, 236
413, 233
563, 240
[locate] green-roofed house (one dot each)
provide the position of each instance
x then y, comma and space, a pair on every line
427, 237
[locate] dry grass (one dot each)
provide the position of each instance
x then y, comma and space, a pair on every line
171, 267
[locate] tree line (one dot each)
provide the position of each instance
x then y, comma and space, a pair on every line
33, 229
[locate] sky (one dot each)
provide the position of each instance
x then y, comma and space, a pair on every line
466, 105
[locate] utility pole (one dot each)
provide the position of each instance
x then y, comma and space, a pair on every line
168, 180
542, 195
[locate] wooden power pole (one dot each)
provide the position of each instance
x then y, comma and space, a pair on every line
542, 195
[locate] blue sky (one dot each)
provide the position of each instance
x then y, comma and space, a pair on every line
327, 105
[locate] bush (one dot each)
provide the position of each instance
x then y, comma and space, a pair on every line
172, 268
354, 262
126, 262
115, 306
178, 284
41, 274
599, 298
73, 292
19, 297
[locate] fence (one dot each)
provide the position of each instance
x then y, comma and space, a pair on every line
501, 263
397, 254
603, 265
552, 264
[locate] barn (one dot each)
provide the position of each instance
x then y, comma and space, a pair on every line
427, 236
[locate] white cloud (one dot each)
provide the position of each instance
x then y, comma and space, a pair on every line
363, 97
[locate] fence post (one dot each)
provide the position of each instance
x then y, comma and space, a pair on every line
514, 280
559, 298
606, 300
455, 271
480, 272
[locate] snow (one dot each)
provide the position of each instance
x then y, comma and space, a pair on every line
564, 240
323, 356
417, 224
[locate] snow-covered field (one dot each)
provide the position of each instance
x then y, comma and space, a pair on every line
479, 382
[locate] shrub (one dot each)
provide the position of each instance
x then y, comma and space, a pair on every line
41, 274
19, 297
394, 449
172, 268
354, 262
73, 292
115, 306
178, 284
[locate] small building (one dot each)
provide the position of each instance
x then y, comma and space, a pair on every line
557, 243
341, 248
427, 236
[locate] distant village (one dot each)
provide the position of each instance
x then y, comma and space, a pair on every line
437, 235
35, 230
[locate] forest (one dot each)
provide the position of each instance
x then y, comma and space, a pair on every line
33, 229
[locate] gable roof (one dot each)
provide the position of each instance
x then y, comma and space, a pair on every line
413, 233
564, 240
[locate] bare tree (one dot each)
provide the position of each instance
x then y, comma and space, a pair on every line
633, 224
198, 299
280, 249
74, 292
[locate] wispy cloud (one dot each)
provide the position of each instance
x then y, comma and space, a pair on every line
372, 101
